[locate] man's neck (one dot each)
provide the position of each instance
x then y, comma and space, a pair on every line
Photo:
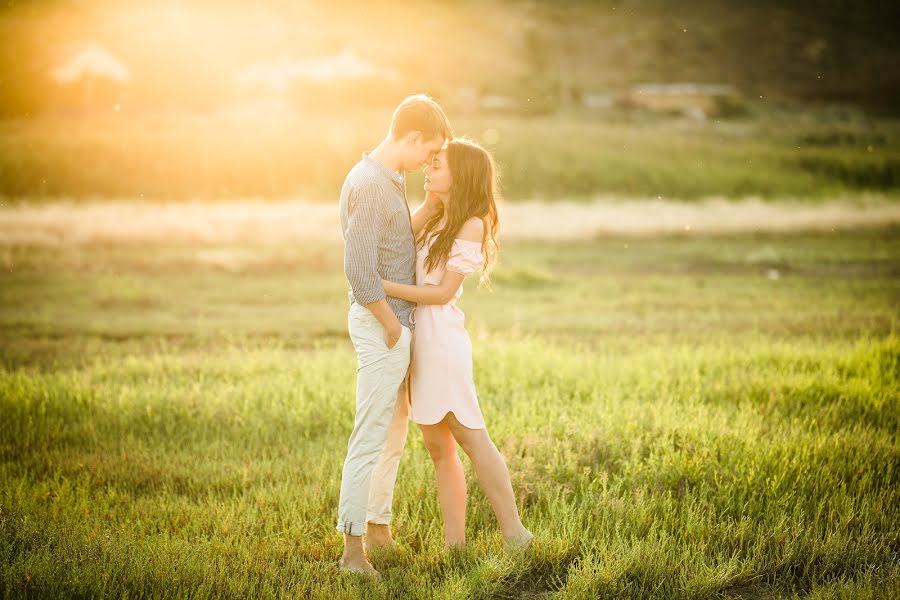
387, 154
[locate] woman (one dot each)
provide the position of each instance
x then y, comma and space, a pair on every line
457, 240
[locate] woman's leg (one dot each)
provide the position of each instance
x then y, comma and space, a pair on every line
451, 481
493, 476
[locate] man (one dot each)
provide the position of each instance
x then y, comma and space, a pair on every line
379, 244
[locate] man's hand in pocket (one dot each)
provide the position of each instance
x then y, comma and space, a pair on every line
392, 335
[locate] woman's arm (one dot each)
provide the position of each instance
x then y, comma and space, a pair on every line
427, 294
472, 231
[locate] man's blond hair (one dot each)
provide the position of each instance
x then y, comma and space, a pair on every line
420, 113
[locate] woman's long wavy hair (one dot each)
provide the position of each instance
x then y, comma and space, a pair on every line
473, 193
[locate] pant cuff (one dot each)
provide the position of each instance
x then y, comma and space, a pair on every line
379, 519
356, 529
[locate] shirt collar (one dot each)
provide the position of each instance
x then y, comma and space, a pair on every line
394, 176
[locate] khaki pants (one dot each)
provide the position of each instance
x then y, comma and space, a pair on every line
380, 425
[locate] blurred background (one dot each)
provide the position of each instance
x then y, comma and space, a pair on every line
174, 100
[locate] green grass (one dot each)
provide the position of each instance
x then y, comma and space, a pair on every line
678, 422
578, 155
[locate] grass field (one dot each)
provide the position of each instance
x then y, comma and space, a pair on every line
683, 416
774, 154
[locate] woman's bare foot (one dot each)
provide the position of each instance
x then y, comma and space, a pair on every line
379, 538
519, 542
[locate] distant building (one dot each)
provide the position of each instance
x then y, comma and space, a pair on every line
499, 102
89, 60
692, 99
280, 75
90, 77
598, 101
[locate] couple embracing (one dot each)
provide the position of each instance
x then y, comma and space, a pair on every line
414, 356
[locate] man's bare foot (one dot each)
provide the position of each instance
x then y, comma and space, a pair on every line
519, 542
354, 560
379, 538
359, 567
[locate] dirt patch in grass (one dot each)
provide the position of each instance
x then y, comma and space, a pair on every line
249, 222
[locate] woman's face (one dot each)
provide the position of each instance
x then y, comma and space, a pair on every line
437, 175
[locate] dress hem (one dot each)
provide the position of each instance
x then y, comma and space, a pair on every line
443, 417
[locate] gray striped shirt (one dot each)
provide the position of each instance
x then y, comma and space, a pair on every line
378, 238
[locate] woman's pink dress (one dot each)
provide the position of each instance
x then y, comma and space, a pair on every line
441, 372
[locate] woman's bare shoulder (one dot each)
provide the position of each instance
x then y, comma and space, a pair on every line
472, 230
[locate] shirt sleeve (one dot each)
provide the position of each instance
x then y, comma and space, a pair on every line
465, 256
364, 228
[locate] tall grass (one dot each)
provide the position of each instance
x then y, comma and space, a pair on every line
678, 424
